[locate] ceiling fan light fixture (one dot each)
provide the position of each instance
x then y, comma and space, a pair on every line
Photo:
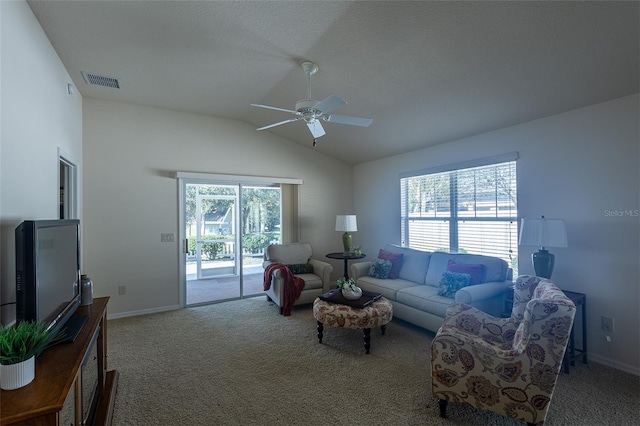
311, 111
306, 104
309, 68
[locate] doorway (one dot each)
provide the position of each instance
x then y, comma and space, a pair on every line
68, 185
227, 227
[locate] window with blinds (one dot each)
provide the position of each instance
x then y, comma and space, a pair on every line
465, 210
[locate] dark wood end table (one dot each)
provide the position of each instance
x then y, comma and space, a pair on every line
346, 257
572, 353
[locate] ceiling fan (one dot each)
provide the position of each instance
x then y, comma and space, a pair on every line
312, 111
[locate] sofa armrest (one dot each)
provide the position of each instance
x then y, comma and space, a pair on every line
475, 342
323, 270
465, 319
475, 293
359, 269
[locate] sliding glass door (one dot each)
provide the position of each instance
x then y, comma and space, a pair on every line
227, 227
211, 236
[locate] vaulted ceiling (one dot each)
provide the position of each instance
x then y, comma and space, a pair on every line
425, 72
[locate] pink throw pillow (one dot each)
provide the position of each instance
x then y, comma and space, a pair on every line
395, 259
475, 270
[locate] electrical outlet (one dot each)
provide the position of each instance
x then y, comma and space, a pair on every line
167, 238
606, 323
122, 290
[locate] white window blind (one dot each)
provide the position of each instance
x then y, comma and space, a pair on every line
467, 210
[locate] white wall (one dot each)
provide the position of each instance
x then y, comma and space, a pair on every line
38, 117
581, 166
131, 154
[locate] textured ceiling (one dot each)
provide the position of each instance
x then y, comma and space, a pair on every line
425, 72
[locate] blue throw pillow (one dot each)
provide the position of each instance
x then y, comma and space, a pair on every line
451, 282
380, 268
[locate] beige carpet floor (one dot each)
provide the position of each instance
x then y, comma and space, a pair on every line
240, 363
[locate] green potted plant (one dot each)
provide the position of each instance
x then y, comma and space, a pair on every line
19, 346
349, 288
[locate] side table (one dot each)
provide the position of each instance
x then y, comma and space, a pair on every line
572, 353
346, 257
508, 303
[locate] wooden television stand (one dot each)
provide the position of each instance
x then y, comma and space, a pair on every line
72, 384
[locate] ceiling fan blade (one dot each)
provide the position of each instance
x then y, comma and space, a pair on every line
275, 108
347, 119
279, 123
316, 129
331, 103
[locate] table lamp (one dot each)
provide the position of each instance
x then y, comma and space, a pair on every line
543, 233
347, 224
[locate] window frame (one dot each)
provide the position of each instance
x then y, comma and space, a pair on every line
452, 216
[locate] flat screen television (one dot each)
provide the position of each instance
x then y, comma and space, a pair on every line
48, 274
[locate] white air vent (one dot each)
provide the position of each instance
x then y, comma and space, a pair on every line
100, 80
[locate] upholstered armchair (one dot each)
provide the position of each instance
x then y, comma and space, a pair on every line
508, 366
315, 273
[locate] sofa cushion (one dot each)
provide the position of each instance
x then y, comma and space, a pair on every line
388, 288
311, 281
414, 263
380, 269
474, 270
451, 282
424, 298
395, 259
495, 269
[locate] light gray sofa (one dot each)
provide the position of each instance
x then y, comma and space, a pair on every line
414, 293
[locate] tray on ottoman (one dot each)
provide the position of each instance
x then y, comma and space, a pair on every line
335, 296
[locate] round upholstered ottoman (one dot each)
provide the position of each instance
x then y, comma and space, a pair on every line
378, 314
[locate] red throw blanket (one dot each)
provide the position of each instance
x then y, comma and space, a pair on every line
292, 285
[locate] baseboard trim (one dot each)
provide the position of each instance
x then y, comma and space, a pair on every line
142, 312
631, 369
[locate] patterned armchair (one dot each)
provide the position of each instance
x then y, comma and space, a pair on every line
508, 366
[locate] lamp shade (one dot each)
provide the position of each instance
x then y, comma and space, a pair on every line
542, 232
346, 223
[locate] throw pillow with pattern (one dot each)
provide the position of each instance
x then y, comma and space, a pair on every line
451, 282
475, 270
395, 259
301, 268
380, 268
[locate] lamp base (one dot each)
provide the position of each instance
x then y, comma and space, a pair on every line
543, 262
346, 242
